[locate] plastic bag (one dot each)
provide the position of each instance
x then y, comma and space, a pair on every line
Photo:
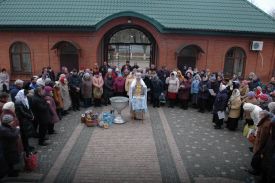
31, 161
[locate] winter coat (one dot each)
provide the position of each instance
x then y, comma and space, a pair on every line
108, 88
119, 84
98, 86
58, 98
268, 161
87, 88
204, 87
9, 137
14, 92
41, 109
263, 132
52, 106
243, 91
220, 102
215, 86
157, 87
254, 84
184, 90
195, 86
235, 107
74, 83
65, 96
25, 117
173, 84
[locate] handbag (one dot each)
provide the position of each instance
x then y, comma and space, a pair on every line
31, 161
256, 161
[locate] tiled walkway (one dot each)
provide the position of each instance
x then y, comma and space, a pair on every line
172, 145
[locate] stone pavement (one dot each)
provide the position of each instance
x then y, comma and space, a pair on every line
172, 145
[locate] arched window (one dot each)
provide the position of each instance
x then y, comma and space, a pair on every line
234, 62
20, 58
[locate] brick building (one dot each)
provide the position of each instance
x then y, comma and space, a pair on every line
214, 34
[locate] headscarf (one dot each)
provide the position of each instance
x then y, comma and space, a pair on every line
235, 94
21, 97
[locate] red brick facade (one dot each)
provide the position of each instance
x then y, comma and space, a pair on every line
215, 48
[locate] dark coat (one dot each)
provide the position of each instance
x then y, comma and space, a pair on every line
40, 109
25, 118
184, 90
108, 87
254, 84
119, 84
220, 101
163, 74
8, 139
157, 87
204, 87
74, 83
54, 116
147, 82
14, 92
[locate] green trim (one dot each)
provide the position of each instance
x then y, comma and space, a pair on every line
130, 14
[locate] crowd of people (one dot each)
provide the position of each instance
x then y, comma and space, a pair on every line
36, 105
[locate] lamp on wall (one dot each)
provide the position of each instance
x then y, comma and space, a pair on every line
129, 21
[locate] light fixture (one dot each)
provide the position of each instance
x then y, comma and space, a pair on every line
129, 21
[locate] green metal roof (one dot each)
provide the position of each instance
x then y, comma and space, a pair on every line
165, 15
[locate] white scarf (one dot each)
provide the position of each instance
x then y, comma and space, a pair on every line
20, 97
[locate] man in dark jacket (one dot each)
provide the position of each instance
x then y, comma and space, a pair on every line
219, 107
75, 85
41, 111
18, 86
204, 87
104, 69
8, 146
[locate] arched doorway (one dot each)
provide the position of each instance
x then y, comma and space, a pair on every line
188, 56
234, 62
68, 53
129, 43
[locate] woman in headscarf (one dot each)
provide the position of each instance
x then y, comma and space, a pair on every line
254, 112
234, 106
204, 87
251, 98
108, 88
138, 97
65, 93
54, 117
244, 89
184, 93
219, 107
173, 87
87, 89
58, 99
25, 117
119, 85
97, 88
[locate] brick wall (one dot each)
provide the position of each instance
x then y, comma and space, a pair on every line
215, 48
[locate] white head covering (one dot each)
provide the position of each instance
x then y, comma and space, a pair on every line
222, 87
110, 70
40, 82
8, 106
235, 94
20, 97
248, 107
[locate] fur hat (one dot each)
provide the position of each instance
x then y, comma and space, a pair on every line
40, 82
6, 119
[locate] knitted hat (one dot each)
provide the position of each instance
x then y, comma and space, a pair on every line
263, 97
250, 94
48, 89
48, 81
6, 119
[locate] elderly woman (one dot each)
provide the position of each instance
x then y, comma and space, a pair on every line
173, 87
204, 87
138, 97
97, 88
184, 93
244, 89
64, 88
234, 106
195, 90
251, 98
108, 88
254, 112
25, 117
87, 89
